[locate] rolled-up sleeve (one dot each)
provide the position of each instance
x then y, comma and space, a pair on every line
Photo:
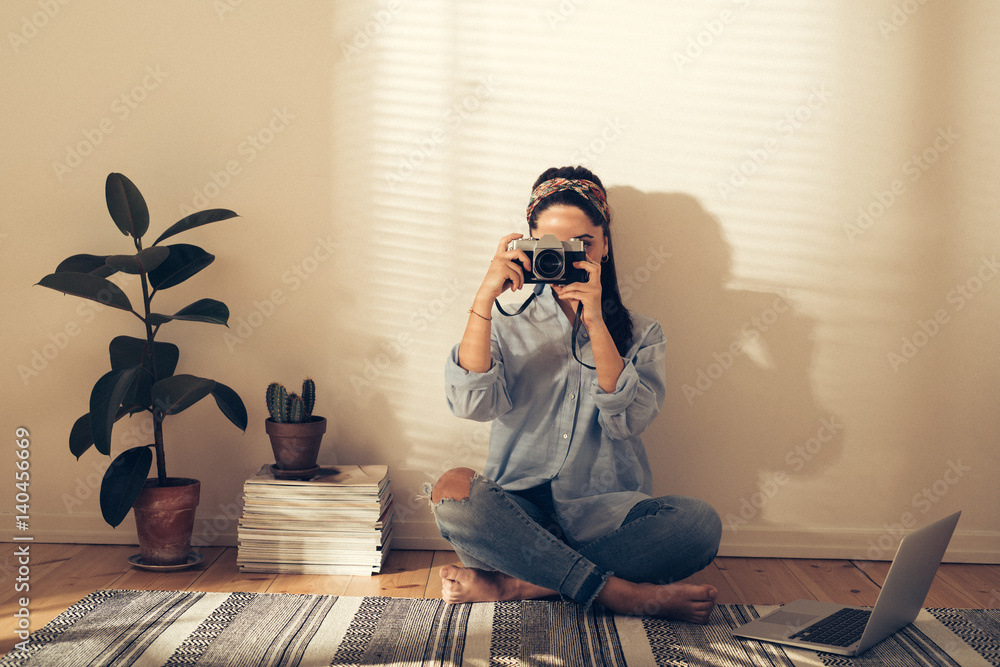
640, 392
476, 396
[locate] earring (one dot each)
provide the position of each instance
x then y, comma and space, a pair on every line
604, 259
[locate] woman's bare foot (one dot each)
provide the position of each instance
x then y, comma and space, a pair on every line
681, 602
692, 603
469, 584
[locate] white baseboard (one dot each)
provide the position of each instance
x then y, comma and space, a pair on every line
746, 542
852, 544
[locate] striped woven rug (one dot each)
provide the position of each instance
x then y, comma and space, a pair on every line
114, 627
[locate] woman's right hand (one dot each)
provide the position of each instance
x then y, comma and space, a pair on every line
506, 272
506, 269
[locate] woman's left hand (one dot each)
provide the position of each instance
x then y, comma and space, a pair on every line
588, 293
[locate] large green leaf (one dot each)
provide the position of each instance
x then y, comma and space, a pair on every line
196, 220
178, 393
123, 481
128, 352
88, 286
105, 399
143, 261
203, 310
79, 436
184, 261
126, 205
95, 264
231, 405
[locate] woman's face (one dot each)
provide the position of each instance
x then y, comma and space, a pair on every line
568, 222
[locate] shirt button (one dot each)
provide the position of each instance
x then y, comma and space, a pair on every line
572, 396
565, 436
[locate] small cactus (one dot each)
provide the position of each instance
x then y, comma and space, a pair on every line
309, 395
277, 402
291, 408
296, 409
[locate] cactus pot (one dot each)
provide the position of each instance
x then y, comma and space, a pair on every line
164, 520
296, 446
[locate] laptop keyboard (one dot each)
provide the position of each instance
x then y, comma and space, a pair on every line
841, 628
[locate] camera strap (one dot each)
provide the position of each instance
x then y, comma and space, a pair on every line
576, 331
576, 320
535, 292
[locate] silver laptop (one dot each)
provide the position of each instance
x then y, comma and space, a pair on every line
801, 623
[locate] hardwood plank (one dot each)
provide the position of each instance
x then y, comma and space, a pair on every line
137, 579
310, 584
942, 593
8, 564
224, 576
980, 583
762, 580
43, 559
88, 570
404, 575
714, 576
441, 558
834, 581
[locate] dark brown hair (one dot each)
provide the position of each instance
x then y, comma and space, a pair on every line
616, 315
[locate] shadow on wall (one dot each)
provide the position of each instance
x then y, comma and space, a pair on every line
740, 420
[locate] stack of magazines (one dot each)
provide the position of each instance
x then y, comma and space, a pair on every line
339, 521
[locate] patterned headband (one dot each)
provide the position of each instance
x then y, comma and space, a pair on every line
588, 189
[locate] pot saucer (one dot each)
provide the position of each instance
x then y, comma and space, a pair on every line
193, 559
280, 473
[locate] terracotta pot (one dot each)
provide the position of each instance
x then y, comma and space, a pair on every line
164, 520
296, 446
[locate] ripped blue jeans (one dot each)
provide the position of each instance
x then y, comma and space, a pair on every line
662, 540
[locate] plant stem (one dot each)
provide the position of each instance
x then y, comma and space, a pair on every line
161, 462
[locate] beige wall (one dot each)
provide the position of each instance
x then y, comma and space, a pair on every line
833, 377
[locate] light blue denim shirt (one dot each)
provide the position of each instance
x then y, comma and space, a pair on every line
551, 420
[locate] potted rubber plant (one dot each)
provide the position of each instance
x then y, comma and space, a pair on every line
142, 378
296, 434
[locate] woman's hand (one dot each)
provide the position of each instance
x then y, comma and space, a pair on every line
588, 293
506, 270
607, 361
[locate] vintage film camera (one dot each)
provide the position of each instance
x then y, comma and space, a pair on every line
552, 260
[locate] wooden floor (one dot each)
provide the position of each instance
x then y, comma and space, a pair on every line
60, 574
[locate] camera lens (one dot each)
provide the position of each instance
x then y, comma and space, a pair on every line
548, 264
